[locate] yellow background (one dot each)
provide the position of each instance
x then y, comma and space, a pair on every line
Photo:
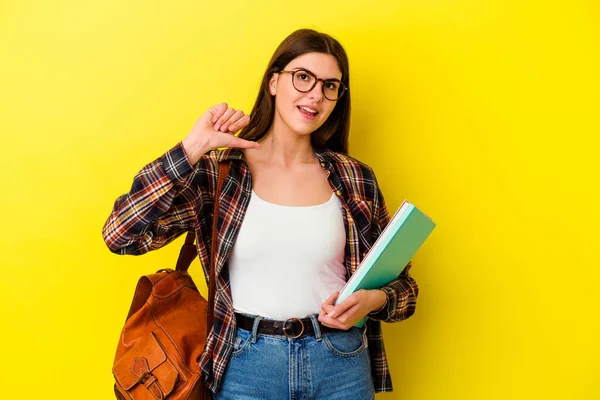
482, 113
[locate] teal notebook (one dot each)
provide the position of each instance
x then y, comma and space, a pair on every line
390, 253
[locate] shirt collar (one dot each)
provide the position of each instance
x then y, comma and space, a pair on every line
231, 154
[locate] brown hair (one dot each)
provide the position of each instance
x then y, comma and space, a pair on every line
333, 134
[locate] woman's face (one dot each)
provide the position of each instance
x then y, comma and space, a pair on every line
290, 104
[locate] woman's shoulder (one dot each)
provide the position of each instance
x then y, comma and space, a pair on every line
357, 178
347, 165
214, 157
206, 169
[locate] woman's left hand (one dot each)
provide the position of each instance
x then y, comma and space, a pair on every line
353, 309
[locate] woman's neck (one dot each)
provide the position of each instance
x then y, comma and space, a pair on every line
286, 148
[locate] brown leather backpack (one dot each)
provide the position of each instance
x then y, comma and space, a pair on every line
165, 331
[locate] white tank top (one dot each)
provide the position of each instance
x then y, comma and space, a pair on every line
287, 260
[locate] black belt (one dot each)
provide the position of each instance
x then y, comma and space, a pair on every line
293, 328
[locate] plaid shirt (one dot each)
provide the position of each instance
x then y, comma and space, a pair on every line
170, 196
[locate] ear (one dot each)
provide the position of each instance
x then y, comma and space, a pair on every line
273, 83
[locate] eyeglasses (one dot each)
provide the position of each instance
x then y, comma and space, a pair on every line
304, 81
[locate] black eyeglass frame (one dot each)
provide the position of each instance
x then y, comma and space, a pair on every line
341, 90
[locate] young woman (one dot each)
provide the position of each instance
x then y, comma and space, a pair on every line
296, 217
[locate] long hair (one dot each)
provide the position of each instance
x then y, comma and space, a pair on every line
333, 134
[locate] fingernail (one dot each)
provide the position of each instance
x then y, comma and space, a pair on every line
217, 127
332, 314
225, 127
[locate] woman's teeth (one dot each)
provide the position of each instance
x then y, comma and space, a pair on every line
313, 112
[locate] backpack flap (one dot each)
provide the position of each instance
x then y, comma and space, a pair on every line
144, 368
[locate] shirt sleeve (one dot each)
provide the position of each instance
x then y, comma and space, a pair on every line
401, 293
163, 203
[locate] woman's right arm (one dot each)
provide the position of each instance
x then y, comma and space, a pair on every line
160, 206
167, 195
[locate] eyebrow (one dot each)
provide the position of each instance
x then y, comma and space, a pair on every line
308, 70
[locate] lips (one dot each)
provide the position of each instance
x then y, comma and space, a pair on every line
308, 114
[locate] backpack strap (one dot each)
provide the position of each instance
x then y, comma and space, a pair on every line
223, 172
189, 251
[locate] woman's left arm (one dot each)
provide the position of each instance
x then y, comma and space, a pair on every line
399, 302
401, 293
400, 298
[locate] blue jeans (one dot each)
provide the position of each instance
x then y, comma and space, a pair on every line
325, 366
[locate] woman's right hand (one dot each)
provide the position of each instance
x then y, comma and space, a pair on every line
215, 129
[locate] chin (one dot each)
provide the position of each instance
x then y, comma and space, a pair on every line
306, 129
304, 132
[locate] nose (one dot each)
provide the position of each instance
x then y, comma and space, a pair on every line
317, 92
